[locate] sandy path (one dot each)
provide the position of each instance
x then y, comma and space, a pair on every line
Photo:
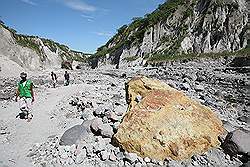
23, 134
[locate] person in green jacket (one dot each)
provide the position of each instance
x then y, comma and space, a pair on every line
26, 95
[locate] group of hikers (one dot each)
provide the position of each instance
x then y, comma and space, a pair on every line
54, 78
25, 94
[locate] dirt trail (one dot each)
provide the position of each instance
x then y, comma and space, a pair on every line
23, 134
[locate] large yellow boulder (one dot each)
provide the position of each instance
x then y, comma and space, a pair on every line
165, 122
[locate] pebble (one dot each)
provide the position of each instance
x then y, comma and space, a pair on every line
138, 164
96, 124
199, 88
80, 157
185, 86
161, 163
64, 155
138, 98
147, 160
131, 157
112, 156
105, 155
106, 130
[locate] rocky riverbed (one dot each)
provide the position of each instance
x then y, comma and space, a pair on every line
87, 118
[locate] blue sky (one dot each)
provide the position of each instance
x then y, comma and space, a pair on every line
83, 25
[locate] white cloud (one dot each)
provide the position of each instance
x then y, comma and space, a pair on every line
79, 5
30, 2
88, 18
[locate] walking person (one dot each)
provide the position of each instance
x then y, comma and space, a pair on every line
25, 93
54, 79
66, 77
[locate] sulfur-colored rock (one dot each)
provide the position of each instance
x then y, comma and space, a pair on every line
166, 123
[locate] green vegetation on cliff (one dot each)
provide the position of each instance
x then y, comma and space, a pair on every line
165, 57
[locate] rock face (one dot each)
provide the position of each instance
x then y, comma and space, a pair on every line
166, 123
32, 53
193, 26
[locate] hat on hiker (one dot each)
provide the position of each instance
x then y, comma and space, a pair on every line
23, 75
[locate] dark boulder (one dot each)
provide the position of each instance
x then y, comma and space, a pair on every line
76, 133
237, 142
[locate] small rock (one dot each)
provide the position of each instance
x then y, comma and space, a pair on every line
105, 120
127, 164
67, 148
116, 126
186, 80
161, 163
104, 155
227, 157
123, 75
100, 146
96, 124
131, 157
199, 88
185, 86
64, 155
195, 163
113, 117
106, 130
244, 119
72, 148
171, 83
138, 164
112, 156
120, 155
147, 160
120, 110
70, 161
98, 112
138, 98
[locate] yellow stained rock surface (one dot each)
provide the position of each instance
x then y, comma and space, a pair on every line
166, 123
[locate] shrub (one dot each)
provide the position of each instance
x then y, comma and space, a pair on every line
129, 59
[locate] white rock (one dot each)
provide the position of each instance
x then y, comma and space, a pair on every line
64, 155
147, 160
161, 163
199, 88
70, 161
81, 156
138, 164
112, 156
138, 98
100, 145
131, 157
106, 130
104, 155
96, 124
185, 86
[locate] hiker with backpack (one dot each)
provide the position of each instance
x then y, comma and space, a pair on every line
66, 77
25, 93
54, 79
